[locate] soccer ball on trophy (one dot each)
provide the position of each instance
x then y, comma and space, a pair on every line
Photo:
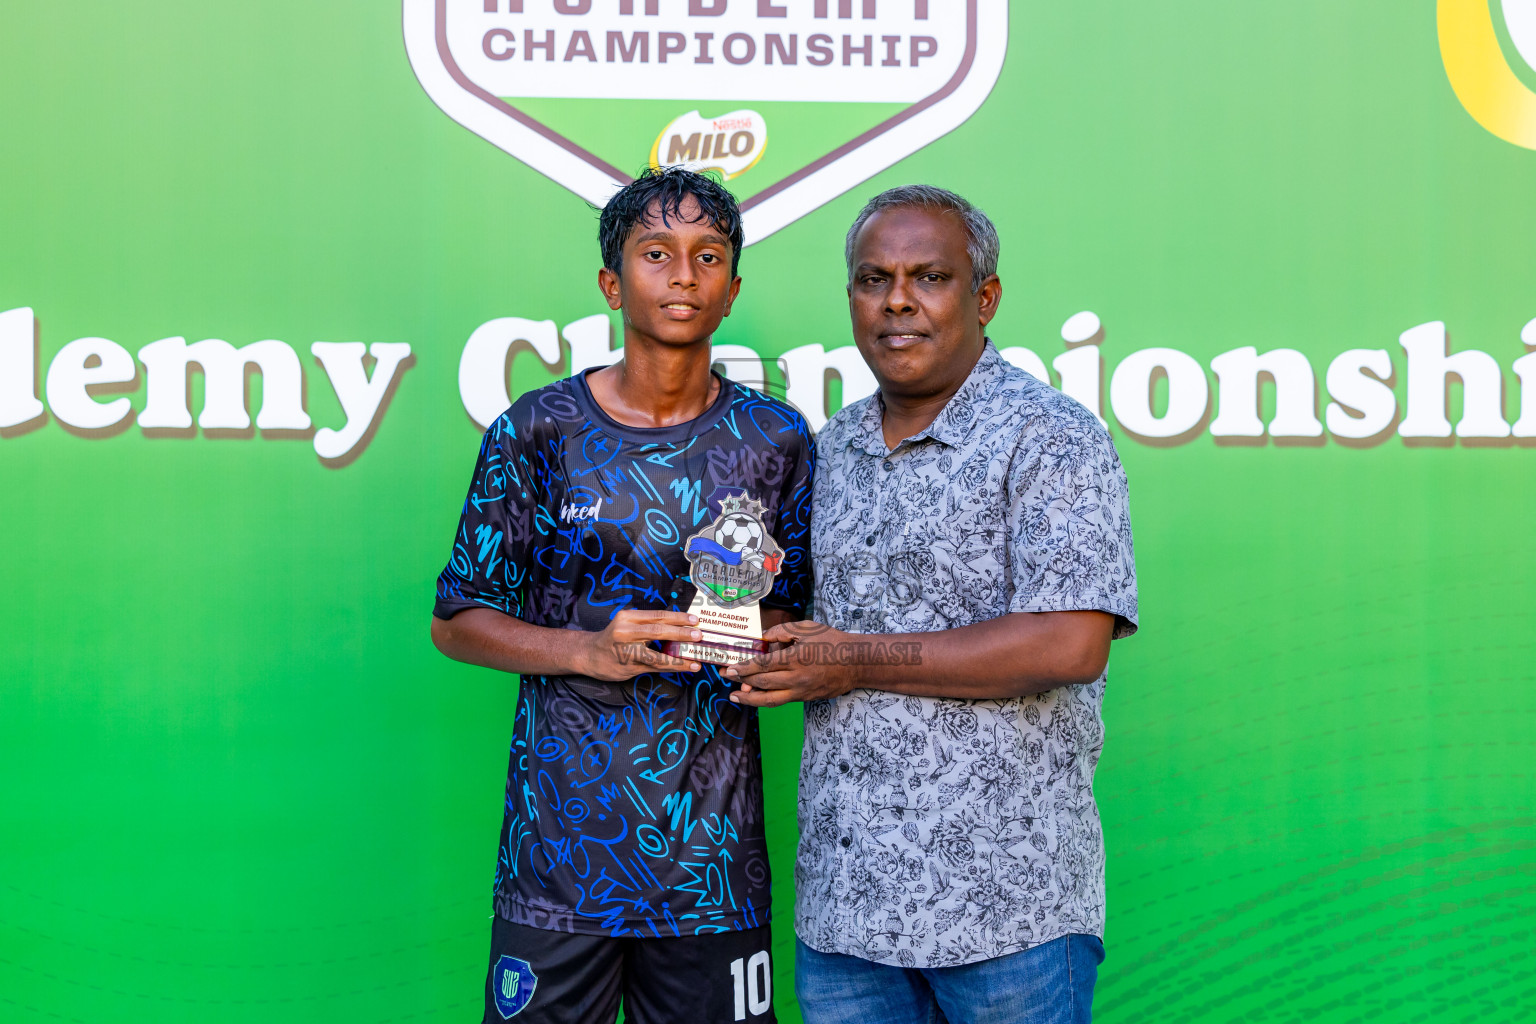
740, 533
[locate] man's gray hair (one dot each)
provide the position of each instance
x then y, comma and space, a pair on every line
981, 241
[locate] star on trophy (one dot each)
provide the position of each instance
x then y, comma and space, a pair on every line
733, 562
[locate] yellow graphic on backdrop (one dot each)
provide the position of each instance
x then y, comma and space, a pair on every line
1480, 74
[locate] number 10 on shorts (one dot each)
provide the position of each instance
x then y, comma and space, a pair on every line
754, 984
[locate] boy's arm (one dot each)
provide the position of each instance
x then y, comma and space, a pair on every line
484, 636
480, 592
777, 617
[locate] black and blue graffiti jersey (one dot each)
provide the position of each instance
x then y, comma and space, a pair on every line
632, 808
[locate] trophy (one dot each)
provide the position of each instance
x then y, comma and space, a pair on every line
732, 565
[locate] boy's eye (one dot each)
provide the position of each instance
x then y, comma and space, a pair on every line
655, 254
709, 257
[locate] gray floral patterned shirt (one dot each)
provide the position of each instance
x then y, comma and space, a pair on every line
936, 832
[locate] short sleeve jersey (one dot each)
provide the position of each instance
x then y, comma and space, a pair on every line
632, 808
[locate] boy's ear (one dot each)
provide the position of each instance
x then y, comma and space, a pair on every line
608, 281
731, 298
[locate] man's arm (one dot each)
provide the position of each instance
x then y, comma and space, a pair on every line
484, 636
1010, 656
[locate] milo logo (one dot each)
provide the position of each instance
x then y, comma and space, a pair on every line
852, 86
731, 144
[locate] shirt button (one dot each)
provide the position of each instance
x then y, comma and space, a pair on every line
870, 540
847, 842
887, 465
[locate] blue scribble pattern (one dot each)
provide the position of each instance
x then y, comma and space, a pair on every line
632, 808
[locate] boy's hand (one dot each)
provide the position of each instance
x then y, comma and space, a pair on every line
622, 650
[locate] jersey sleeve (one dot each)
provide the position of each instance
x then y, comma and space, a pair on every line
1069, 528
792, 529
489, 565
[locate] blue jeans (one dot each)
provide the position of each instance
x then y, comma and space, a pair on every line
1047, 984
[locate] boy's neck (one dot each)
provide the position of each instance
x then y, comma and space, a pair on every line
655, 385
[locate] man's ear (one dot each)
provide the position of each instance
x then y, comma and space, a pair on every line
611, 288
988, 297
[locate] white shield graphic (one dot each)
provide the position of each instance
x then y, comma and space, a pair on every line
927, 65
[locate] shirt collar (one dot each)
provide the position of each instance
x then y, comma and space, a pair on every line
955, 421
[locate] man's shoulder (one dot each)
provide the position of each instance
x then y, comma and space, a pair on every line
1028, 411
844, 424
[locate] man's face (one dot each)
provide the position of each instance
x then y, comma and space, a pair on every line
915, 319
675, 285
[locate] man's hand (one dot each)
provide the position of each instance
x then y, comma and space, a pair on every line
622, 650
807, 667
1013, 655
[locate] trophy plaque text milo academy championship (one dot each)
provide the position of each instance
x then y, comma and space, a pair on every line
733, 562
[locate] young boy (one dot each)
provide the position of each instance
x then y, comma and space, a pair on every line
632, 860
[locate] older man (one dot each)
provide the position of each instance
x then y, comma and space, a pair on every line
951, 864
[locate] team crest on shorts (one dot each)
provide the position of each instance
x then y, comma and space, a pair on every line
512, 984
588, 91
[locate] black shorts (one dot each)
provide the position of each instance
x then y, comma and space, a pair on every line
545, 977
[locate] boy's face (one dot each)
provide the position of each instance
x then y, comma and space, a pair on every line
675, 284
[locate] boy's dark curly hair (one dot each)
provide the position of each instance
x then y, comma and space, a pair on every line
661, 192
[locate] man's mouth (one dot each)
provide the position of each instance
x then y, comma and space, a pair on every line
903, 337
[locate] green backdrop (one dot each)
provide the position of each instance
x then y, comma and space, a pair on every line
238, 783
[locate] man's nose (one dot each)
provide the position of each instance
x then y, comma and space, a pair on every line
899, 299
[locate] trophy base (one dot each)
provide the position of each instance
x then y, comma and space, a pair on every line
725, 651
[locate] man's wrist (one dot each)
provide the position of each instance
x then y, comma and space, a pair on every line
871, 673
858, 676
